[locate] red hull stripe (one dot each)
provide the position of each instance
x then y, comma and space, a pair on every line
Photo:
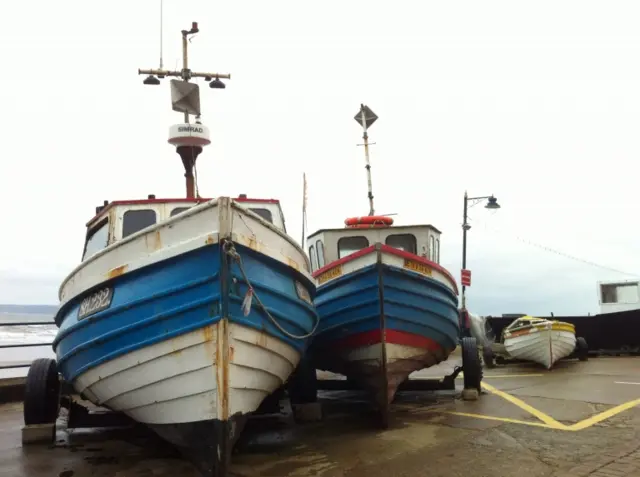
369, 338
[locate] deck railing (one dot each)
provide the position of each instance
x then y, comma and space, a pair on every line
23, 345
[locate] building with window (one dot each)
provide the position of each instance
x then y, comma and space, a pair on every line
620, 295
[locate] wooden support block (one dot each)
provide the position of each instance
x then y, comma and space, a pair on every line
470, 394
308, 412
38, 433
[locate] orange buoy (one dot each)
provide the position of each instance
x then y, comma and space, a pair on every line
369, 221
367, 226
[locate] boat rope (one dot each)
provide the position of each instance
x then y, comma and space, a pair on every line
195, 172
230, 250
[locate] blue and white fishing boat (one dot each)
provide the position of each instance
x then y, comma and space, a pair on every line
185, 314
387, 307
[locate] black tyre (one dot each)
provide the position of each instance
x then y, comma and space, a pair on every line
471, 365
42, 392
488, 357
582, 349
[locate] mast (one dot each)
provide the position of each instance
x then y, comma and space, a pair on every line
366, 118
188, 138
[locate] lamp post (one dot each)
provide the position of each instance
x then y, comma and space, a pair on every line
492, 203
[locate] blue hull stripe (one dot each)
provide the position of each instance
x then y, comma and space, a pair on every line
180, 295
413, 303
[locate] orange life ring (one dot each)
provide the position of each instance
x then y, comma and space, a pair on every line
367, 226
379, 220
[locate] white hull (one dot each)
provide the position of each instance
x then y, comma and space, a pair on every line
212, 373
186, 379
364, 365
542, 346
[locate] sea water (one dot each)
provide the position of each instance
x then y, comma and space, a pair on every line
24, 334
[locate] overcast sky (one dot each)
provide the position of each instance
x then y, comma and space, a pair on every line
535, 102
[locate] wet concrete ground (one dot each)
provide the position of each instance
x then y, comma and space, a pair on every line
580, 419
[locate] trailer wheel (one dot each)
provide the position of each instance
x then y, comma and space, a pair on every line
488, 357
42, 392
582, 349
471, 365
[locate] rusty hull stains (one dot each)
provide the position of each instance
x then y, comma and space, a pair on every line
253, 244
116, 272
262, 340
153, 241
293, 263
222, 368
399, 370
207, 333
210, 347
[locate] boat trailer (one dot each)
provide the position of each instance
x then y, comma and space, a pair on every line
472, 379
45, 394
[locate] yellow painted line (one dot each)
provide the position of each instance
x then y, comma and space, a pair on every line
590, 421
555, 425
550, 421
512, 375
461, 375
494, 418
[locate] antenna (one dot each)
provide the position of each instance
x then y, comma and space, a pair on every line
304, 207
366, 118
161, 35
185, 97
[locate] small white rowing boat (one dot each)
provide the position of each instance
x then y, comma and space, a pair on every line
539, 340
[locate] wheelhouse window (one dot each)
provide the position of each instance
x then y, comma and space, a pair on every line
314, 259
349, 245
437, 258
264, 213
406, 242
178, 210
620, 293
320, 249
97, 239
136, 220
432, 247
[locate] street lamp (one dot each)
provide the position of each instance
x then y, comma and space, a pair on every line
492, 203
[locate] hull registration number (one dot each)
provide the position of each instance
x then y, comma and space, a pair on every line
330, 274
98, 301
418, 267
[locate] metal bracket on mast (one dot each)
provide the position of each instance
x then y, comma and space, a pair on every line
185, 97
366, 118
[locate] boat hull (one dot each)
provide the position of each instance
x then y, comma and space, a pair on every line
382, 321
543, 344
176, 351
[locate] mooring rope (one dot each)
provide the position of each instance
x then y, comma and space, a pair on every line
230, 250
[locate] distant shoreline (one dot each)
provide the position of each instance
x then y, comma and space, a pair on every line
48, 310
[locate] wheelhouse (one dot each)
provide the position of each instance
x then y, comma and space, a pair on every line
328, 245
115, 221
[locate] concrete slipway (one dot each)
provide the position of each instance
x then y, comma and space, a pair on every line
580, 419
